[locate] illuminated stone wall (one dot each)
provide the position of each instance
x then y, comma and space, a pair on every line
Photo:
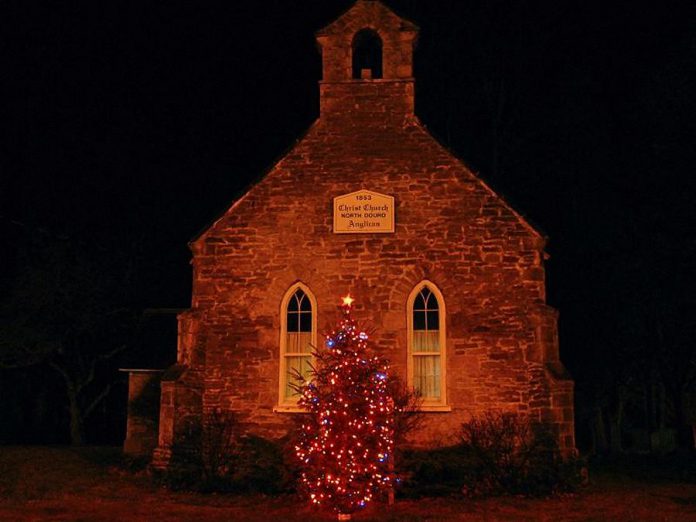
451, 229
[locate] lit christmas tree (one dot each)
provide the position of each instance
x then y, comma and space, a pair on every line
345, 448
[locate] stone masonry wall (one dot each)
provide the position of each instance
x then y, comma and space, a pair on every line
451, 229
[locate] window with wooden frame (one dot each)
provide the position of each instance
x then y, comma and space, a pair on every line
298, 333
426, 345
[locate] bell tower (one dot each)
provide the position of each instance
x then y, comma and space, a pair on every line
367, 57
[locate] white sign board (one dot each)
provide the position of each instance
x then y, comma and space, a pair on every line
363, 212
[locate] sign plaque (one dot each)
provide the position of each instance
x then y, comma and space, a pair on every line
363, 212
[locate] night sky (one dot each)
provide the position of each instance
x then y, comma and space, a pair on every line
132, 125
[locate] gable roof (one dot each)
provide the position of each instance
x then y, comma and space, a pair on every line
241, 195
529, 223
354, 15
255, 180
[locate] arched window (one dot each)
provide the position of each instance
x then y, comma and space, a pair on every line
297, 337
367, 55
426, 344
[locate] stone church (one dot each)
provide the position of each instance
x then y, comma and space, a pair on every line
369, 204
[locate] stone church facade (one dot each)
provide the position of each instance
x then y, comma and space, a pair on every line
367, 203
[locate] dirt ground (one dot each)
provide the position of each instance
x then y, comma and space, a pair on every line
62, 484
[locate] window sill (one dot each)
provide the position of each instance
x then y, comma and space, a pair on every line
435, 408
425, 408
288, 409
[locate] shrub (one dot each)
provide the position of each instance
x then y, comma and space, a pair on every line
408, 418
509, 455
499, 454
183, 471
434, 473
261, 467
204, 457
219, 459
220, 450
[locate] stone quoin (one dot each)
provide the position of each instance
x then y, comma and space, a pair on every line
455, 292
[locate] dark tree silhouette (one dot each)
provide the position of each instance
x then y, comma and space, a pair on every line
65, 308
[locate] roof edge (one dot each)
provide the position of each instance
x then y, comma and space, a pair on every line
528, 223
409, 25
242, 193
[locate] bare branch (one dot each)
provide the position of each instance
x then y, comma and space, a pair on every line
5, 365
108, 355
100, 357
96, 401
61, 371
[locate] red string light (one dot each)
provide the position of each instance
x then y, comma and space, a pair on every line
345, 448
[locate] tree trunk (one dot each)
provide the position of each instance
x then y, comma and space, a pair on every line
615, 423
76, 432
599, 433
684, 430
662, 408
615, 436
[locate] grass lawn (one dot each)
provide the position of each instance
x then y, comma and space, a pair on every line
64, 484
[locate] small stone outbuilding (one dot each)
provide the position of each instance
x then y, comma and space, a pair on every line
367, 202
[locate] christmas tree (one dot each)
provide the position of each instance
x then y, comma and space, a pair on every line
345, 448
